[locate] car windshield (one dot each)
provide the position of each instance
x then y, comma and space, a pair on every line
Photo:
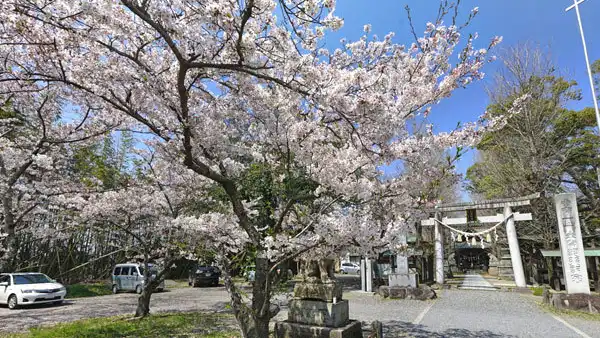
36, 278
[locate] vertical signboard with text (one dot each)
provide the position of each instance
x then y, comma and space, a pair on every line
571, 244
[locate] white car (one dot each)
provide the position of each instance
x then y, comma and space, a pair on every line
250, 274
350, 268
17, 289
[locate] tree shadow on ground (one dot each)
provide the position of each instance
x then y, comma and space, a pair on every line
405, 329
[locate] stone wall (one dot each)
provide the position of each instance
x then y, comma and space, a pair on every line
577, 301
423, 292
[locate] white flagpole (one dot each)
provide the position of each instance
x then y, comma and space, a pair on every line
589, 68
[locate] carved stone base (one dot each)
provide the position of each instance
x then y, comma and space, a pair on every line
403, 279
318, 291
423, 292
316, 312
287, 329
575, 301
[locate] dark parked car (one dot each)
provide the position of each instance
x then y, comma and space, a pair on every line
204, 275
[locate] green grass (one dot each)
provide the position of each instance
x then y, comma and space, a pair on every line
190, 324
537, 290
88, 290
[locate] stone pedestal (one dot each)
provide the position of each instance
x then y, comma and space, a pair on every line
318, 311
423, 292
403, 279
326, 292
288, 329
576, 301
315, 312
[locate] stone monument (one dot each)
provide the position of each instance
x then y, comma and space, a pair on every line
402, 276
318, 309
571, 244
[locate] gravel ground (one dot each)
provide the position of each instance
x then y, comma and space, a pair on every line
456, 313
183, 299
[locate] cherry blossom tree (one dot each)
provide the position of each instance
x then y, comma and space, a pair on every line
36, 138
141, 219
222, 85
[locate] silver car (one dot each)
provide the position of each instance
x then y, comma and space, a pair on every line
130, 277
348, 267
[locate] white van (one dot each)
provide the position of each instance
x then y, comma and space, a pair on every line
130, 277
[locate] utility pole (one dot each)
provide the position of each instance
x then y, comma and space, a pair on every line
589, 68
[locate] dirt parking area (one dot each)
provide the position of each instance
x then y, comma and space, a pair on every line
181, 299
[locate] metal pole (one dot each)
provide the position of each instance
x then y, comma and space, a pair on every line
589, 68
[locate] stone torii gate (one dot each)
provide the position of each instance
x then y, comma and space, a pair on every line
508, 217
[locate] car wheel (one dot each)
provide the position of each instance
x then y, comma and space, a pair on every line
138, 289
59, 302
12, 302
115, 289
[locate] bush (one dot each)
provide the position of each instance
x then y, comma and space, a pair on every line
88, 290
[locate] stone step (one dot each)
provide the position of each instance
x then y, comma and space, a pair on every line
474, 281
484, 288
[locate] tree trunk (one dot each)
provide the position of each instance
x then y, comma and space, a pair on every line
261, 297
241, 311
10, 247
143, 307
253, 321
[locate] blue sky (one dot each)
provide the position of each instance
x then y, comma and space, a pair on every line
543, 22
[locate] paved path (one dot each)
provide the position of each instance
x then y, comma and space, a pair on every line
469, 314
474, 281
